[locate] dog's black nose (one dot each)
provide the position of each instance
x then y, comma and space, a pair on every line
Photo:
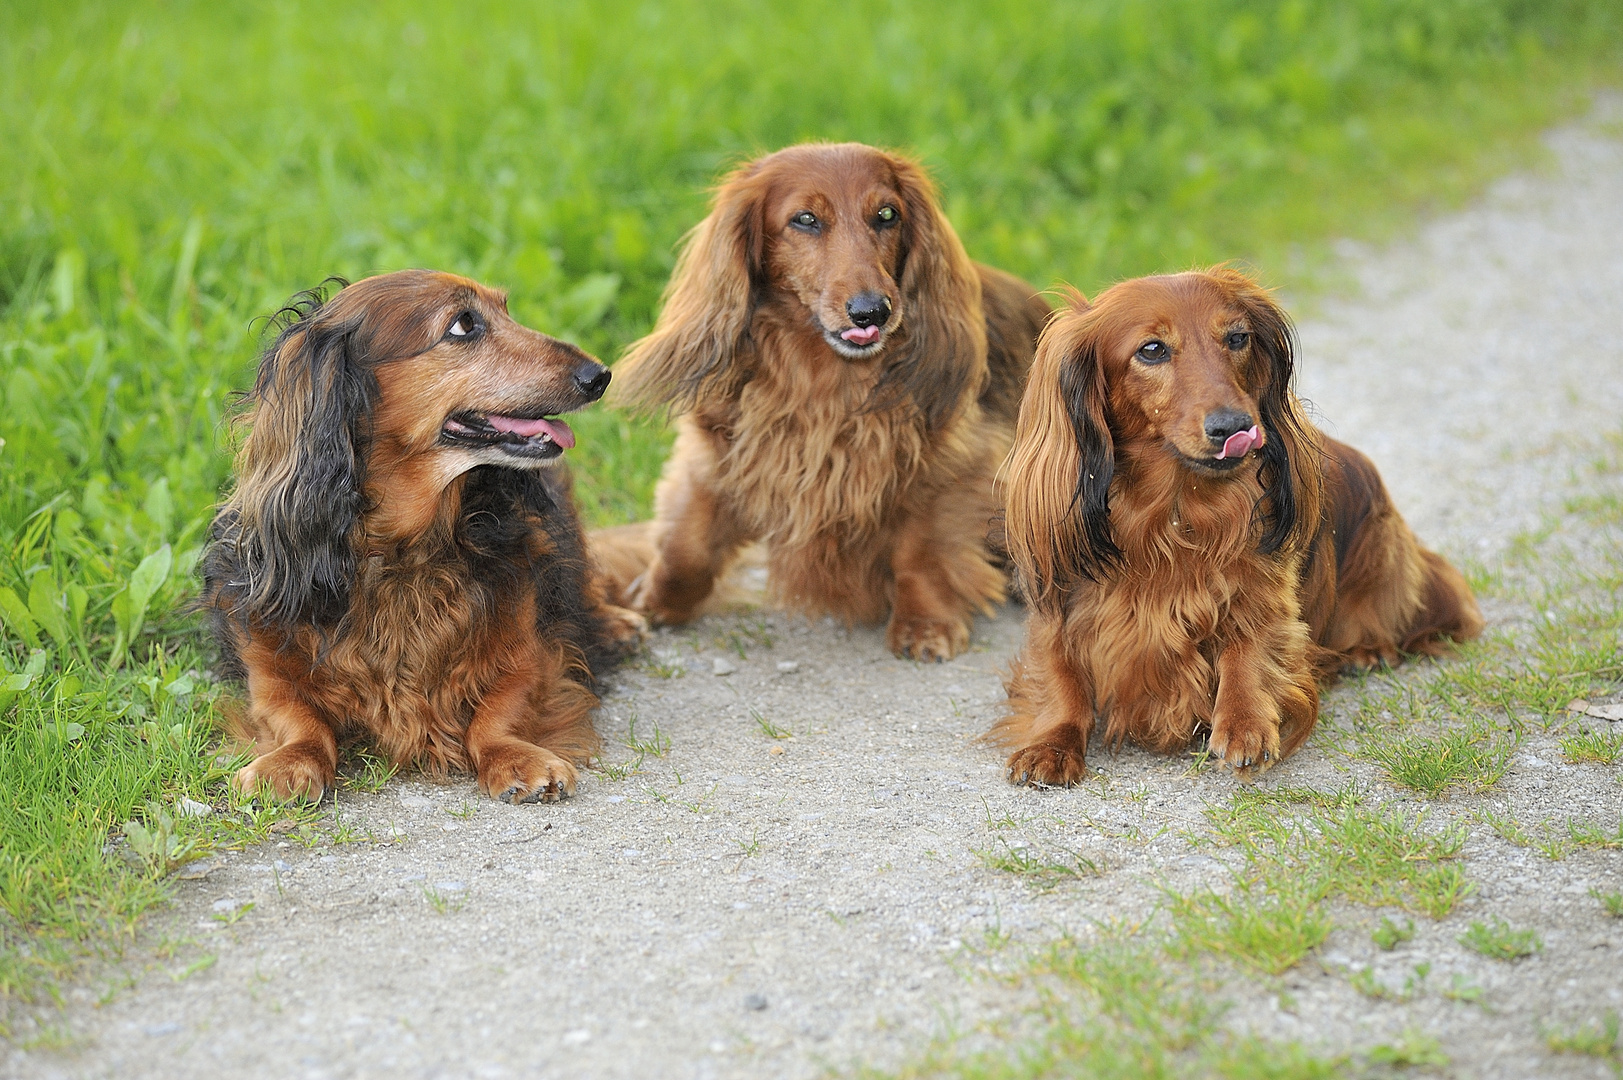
868, 309
1221, 423
592, 379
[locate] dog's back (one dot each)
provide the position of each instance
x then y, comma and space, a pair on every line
1015, 316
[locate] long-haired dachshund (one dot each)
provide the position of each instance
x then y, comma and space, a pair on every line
399, 558
847, 382
1196, 554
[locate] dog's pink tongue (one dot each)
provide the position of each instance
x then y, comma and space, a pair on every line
861, 335
556, 430
1240, 443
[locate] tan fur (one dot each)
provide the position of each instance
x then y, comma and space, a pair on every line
1190, 625
868, 477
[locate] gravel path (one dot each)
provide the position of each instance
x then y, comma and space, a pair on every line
755, 906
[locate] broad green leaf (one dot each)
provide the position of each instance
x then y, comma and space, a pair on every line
11, 686
17, 617
45, 604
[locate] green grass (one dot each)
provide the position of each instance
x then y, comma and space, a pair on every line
1497, 940
1595, 1039
174, 171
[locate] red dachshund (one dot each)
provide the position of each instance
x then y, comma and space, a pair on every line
1197, 556
847, 381
399, 559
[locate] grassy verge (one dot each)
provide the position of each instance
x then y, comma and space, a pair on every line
175, 170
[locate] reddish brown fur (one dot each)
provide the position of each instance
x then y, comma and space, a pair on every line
458, 627
868, 476
1191, 623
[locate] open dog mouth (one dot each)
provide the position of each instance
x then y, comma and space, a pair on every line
539, 438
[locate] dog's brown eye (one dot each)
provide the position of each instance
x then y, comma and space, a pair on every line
805, 220
1238, 340
886, 215
465, 324
1154, 352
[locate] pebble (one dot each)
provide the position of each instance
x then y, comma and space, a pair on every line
754, 1002
785, 667
722, 666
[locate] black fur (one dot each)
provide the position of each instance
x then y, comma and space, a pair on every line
1275, 337
1081, 384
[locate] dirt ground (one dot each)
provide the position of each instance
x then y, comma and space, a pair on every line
751, 906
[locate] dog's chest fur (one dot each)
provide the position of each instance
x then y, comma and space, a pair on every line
807, 457
1190, 580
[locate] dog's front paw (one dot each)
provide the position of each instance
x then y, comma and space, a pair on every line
523, 773
295, 771
1248, 745
919, 638
625, 626
1368, 658
1052, 763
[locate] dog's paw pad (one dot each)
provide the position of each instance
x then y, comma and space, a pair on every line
927, 640
1249, 747
528, 774
290, 772
1047, 765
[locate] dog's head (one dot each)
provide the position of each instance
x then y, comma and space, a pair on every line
842, 240
1194, 369
368, 405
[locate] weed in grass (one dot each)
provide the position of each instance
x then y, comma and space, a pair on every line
202, 963
1413, 1048
1365, 982
656, 745
365, 771
1599, 747
1118, 1009
1463, 990
1269, 927
445, 901
1472, 758
1610, 902
1596, 1039
738, 639
768, 728
1037, 869
1498, 941
233, 914
1389, 934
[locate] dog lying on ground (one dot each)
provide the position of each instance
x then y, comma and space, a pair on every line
847, 381
1197, 556
400, 558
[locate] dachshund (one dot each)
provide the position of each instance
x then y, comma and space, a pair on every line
1195, 553
400, 558
846, 382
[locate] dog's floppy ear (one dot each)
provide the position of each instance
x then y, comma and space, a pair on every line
299, 495
1292, 470
945, 357
1057, 476
696, 347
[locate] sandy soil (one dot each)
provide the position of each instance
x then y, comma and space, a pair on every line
754, 906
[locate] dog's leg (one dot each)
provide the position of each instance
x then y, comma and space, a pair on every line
696, 536
512, 720
1050, 710
943, 574
303, 761
1246, 718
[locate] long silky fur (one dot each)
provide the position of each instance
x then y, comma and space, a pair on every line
1143, 577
